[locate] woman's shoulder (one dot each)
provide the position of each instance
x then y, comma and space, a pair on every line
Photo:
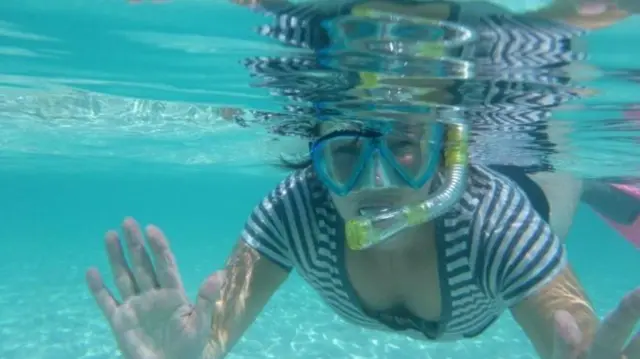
494, 190
300, 188
502, 205
486, 192
484, 180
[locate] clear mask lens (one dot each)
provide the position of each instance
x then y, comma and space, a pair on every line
347, 160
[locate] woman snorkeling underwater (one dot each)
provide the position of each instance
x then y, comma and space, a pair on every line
396, 231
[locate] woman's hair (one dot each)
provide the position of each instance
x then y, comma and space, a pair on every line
293, 165
301, 162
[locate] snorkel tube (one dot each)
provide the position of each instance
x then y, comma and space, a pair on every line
364, 232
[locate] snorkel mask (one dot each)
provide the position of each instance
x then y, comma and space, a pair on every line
347, 160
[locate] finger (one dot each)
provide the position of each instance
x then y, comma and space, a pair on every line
142, 267
208, 296
165, 262
568, 336
632, 351
615, 330
106, 302
122, 276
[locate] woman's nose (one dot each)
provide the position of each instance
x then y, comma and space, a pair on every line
380, 177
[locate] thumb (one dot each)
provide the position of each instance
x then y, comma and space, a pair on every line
567, 336
208, 295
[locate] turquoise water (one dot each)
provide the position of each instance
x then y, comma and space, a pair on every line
52, 227
79, 151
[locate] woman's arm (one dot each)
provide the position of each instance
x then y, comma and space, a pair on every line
524, 265
536, 313
257, 266
250, 279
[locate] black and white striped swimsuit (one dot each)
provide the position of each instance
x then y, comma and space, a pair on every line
493, 251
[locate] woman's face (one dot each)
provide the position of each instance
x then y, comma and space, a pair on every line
373, 198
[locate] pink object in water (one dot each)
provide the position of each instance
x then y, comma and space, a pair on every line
593, 8
632, 114
630, 232
629, 189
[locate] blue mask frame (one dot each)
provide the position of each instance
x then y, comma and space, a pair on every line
375, 144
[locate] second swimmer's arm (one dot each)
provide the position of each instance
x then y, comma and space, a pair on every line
250, 280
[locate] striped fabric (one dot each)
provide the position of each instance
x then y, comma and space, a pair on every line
494, 250
521, 60
300, 25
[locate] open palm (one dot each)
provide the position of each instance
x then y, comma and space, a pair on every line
155, 319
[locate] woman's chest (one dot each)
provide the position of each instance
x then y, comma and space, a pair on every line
384, 284
433, 292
